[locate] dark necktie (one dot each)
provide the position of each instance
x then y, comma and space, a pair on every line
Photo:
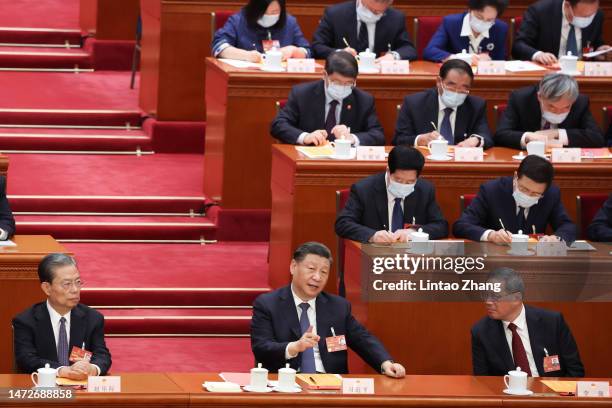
518, 351
308, 361
445, 127
546, 125
363, 43
397, 219
330, 120
62, 344
572, 45
520, 220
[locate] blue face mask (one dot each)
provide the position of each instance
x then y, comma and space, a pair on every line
452, 99
338, 92
400, 190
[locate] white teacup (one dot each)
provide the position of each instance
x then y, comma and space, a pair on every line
44, 377
342, 147
367, 60
272, 59
536, 147
259, 377
286, 378
438, 148
420, 242
516, 381
420, 236
568, 63
520, 243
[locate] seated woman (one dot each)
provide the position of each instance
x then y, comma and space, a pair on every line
259, 26
477, 31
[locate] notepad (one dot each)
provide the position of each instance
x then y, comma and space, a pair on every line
560, 386
316, 152
67, 382
320, 381
7, 243
522, 66
241, 379
239, 63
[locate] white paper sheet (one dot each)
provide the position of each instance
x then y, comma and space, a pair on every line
7, 243
239, 63
522, 66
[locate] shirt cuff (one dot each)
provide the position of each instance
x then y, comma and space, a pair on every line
220, 48
287, 355
416, 141
301, 137
480, 138
562, 138
535, 55
485, 235
97, 368
523, 144
356, 141
3, 235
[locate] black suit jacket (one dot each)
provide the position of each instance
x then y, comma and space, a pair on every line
491, 354
495, 201
523, 114
600, 228
7, 221
367, 211
340, 21
541, 30
420, 109
275, 324
305, 112
35, 343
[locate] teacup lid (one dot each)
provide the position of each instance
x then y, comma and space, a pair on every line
420, 233
569, 56
47, 369
274, 51
518, 372
286, 369
519, 234
259, 369
367, 52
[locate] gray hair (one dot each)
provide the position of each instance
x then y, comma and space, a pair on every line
555, 86
512, 281
49, 263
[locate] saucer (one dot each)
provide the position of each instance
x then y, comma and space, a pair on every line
522, 253
351, 156
251, 389
445, 158
519, 156
369, 70
571, 73
292, 390
525, 392
272, 69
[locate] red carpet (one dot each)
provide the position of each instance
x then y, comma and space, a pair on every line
39, 13
180, 354
36, 57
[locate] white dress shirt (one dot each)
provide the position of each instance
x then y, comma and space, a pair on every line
565, 28
562, 134
371, 32
452, 118
3, 235
312, 318
466, 31
523, 332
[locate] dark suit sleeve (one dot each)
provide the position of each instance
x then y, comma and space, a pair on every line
588, 134
469, 225
298, 37
479, 359
97, 345
437, 48
600, 228
374, 134
323, 38
266, 350
508, 131
405, 132
569, 355
499, 54
527, 37
559, 220
359, 339
283, 127
24, 345
481, 126
402, 44
348, 223
7, 221
436, 226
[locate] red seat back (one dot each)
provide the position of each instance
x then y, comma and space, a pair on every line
587, 205
424, 29
341, 199
280, 104
218, 20
465, 200
498, 111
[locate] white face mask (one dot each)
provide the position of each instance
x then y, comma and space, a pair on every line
366, 15
554, 118
452, 99
524, 200
480, 26
582, 22
268, 20
338, 92
400, 190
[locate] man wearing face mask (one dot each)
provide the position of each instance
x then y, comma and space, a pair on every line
322, 111
388, 207
478, 31
357, 25
445, 112
552, 112
552, 28
527, 202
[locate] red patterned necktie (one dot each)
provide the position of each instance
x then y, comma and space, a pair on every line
518, 351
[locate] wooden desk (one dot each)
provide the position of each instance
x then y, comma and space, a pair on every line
304, 201
19, 285
185, 390
241, 107
432, 331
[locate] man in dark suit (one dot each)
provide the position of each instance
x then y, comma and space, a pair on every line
321, 111
600, 228
47, 332
389, 206
552, 28
7, 221
446, 111
291, 324
527, 202
355, 26
517, 335
553, 112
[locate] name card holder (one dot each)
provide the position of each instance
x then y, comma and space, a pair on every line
301, 65
598, 69
104, 384
469, 154
395, 67
491, 68
566, 155
374, 153
599, 389
358, 386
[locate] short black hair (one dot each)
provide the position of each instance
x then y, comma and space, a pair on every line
343, 63
574, 2
47, 266
405, 157
537, 169
312, 248
257, 8
499, 5
456, 64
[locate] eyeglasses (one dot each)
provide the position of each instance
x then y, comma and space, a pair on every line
455, 88
494, 296
528, 191
67, 285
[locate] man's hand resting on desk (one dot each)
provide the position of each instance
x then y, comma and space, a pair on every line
317, 138
394, 370
501, 237
382, 237
545, 58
